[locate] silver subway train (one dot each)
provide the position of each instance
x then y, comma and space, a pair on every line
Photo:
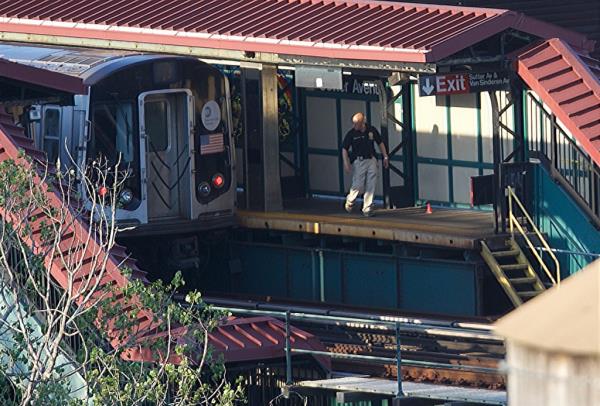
166, 118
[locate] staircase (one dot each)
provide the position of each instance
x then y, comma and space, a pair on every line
513, 271
509, 258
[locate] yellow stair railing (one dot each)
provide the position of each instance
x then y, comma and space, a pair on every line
514, 223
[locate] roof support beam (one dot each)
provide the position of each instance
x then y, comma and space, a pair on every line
223, 54
270, 139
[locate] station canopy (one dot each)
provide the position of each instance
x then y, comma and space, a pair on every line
382, 36
351, 30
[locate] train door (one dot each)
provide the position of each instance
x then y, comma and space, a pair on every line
166, 122
50, 137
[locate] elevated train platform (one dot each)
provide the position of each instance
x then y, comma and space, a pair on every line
454, 228
437, 144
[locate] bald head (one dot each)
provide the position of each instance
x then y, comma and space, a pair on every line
358, 121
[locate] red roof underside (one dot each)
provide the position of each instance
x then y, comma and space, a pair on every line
243, 339
569, 83
41, 77
352, 29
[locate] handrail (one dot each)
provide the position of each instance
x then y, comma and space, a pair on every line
514, 223
466, 332
549, 142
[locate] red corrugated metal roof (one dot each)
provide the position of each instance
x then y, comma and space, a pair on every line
351, 29
12, 139
568, 81
244, 339
41, 77
578, 15
249, 339
238, 340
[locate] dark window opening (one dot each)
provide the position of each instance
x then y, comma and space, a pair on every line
156, 122
51, 134
115, 139
113, 132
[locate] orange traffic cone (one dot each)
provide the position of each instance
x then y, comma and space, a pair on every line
428, 209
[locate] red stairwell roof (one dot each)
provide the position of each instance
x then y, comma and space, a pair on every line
568, 81
243, 339
350, 29
41, 77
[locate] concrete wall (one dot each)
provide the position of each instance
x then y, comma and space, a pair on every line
538, 377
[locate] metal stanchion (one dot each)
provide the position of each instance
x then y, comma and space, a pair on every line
400, 394
288, 350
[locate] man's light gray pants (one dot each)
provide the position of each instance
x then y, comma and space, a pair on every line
364, 179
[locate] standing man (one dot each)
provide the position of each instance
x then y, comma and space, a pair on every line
359, 142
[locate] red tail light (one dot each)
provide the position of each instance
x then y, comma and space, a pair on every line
218, 181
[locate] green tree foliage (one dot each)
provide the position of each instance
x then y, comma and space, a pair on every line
68, 337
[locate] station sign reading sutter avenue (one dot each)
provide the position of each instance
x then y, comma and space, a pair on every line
457, 83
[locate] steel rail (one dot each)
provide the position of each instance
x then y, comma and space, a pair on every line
407, 326
414, 363
366, 314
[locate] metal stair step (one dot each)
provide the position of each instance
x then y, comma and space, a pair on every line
522, 280
530, 293
503, 254
513, 267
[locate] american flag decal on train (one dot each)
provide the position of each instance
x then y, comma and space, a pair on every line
211, 143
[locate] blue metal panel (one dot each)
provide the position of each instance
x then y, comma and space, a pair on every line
333, 277
361, 279
370, 281
263, 270
302, 275
566, 226
431, 286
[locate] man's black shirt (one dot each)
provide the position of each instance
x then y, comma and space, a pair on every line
361, 142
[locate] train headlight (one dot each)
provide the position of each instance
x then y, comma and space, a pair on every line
204, 189
125, 197
218, 180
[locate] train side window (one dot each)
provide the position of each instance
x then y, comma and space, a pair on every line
51, 133
113, 131
156, 121
124, 134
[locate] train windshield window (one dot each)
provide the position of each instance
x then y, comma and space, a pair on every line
113, 131
51, 133
156, 121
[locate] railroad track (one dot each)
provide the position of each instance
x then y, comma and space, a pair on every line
416, 348
438, 349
